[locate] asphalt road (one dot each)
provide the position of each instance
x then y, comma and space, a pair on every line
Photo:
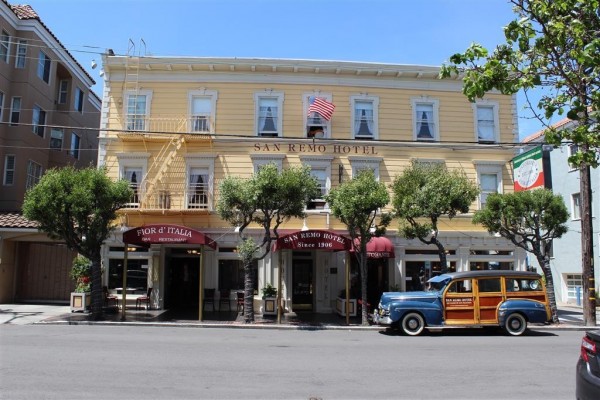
124, 362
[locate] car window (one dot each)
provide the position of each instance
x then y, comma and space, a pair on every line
489, 285
516, 285
460, 286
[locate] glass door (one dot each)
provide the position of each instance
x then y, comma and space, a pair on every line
302, 284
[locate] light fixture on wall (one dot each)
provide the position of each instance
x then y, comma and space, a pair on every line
94, 64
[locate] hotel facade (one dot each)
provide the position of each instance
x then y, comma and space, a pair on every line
175, 127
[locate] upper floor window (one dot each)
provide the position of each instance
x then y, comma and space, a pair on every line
34, 174
573, 149
15, 111
63, 91
137, 110
21, 54
575, 206
269, 109
260, 160
56, 139
425, 119
486, 122
199, 187
318, 109
132, 167
4, 46
365, 163
133, 175
43, 70
38, 121
75, 143
364, 117
78, 100
9, 169
320, 169
489, 176
202, 111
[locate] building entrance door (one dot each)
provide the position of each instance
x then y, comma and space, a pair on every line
302, 284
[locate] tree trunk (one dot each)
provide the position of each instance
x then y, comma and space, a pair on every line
587, 247
97, 294
442, 254
248, 293
544, 262
363, 285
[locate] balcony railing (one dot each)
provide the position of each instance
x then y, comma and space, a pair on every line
199, 125
195, 197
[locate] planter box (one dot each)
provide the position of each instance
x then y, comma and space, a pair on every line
340, 307
269, 306
80, 301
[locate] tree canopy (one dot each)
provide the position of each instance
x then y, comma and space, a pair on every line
530, 219
424, 193
268, 198
78, 207
357, 203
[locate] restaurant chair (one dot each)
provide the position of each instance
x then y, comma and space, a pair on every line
209, 298
240, 301
224, 298
109, 297
144, 299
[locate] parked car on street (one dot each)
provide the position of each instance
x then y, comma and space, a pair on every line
509, 299
587, 381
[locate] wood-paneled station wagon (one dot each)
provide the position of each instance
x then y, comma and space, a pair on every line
509, 299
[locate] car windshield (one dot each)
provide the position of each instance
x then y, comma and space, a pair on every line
437, 283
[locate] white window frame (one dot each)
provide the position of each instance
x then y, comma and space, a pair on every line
134, 118
56, 135
494, 105
79, 100
360, 163
433, 124
572, 281
573, 149
34, 174
205, 163
37, 122
75, 152
575, 206
9, 172
488, 168
4, 46
44, 60
15, 110
307, 121
322, 164
375, 129
63, 91
212, 96
279, 98
21, 54
134, 160
258, 160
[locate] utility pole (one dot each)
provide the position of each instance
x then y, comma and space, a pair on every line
587, 245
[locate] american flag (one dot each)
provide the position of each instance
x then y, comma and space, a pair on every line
321, 106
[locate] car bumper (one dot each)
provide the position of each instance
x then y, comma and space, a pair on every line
587, 386
379, 320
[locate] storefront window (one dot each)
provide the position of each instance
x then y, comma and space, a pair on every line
137, 274
231, 275
493, 265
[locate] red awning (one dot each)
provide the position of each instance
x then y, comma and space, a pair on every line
313, 240
378, 247
166, 234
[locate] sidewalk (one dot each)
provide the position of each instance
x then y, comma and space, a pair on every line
570, 317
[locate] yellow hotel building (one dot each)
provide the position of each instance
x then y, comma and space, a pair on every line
176, 126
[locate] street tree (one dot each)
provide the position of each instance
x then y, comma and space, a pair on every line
552, 46
426, 192
78, 206
269, 198
358, 203
530, 220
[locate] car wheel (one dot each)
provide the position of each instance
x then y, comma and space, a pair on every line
412, 324
515, 324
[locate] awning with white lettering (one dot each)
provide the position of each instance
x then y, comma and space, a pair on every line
166, 234
313, 240
378, 247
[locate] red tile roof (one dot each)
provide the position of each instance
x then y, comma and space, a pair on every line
541, 133
15, 220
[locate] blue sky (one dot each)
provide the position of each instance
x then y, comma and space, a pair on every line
423, 32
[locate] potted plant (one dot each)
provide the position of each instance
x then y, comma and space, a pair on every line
81, 274
269, 297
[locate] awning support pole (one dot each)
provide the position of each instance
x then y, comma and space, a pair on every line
201, 286
347, 305
124, 289
279, 287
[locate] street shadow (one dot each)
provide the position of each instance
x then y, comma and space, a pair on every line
467, 332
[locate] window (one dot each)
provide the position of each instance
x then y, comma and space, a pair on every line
573, 149
43, 70
360, 163
78, 100
460, 286
364, 117
38, 121
202, 106
34, 173
9, 169
75, 140
4, 46
486, 122
320, 168
134, 176
137, 110
259, 160
575, 206
56, 139
21, 54
15, 111
132, 167
489, 285
137, 274
231, 274
489, 177
269, 113
199, 187
316, 125
63, 91
574, 281
425, 119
